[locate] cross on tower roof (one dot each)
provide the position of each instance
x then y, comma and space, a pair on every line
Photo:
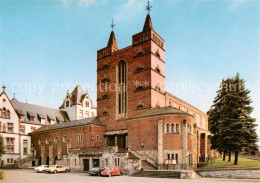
4, 87
148, 7
112, 25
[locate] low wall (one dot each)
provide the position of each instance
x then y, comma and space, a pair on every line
234, 173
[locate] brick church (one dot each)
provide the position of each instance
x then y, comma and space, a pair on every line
138, 123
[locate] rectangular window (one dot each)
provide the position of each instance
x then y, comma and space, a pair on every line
25, 142
92, 114
22, 129
106, 162
87, 104
9, 141
81, 113
8, 160
117, 162
176, 157
87, 114
25, 151
12, 160
169, 156
10, 127
173, 156
75, 161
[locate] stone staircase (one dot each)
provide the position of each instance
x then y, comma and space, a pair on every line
159, 174
24, 163
147, 162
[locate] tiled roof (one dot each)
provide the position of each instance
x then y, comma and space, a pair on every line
92, 120
161, 111
26, 110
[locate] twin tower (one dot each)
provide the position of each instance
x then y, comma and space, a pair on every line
130, 80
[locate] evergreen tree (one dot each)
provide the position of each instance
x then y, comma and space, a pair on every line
231, 124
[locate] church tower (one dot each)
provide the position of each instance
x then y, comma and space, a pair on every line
130, 80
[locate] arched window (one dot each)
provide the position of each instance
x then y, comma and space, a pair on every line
122, 85
105, 96
177, 128
172, 128
105, 66
4, 113
105, 113
140, 106
139, 88
8, 114
170, 103
140, 53
167, 128
105, 80
139, 69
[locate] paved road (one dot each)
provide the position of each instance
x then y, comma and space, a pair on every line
29, 176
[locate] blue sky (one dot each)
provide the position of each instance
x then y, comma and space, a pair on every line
50, 46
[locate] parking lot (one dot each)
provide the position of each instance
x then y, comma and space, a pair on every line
29, 176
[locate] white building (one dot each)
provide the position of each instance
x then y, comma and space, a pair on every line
78, 104
18, 120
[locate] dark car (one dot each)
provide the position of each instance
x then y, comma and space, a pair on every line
95, 171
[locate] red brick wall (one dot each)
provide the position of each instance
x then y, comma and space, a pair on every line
71, 133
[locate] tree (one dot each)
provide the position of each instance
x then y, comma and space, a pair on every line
2, 146
231, 125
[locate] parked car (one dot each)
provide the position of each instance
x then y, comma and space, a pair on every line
57, 168
111, 170
95, 171
41, 168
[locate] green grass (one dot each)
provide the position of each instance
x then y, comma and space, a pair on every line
242, 162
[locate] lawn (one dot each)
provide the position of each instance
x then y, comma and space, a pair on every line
242, 162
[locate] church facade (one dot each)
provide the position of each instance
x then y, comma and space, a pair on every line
138, 123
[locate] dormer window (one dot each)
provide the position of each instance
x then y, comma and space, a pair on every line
31, 116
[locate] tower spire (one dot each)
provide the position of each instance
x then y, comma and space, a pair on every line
112, 37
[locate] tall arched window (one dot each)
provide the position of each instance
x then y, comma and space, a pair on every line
8, 114
4, 113
172, 128
122, 84
177, 128
167, 128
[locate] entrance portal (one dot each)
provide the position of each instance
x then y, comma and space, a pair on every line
86, 164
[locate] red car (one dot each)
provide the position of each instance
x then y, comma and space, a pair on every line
111, 170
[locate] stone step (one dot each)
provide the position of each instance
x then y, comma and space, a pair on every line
148, 166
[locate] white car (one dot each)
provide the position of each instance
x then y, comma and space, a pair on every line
41, 168
56, 169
